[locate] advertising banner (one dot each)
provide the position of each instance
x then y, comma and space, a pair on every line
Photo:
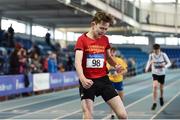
70, 78
56, 80
41, 81
7, 85
13, 84
20, 85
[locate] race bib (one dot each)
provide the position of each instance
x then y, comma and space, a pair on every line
95, 61
158, 67
159, 70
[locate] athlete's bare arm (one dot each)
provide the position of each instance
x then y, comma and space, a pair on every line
112, 62
86, 83
110, 59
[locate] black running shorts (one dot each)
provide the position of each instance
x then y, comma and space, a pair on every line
101, 87
159, 78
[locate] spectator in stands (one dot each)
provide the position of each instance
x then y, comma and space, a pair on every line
1, 63
48, 38
11, 31
147, 19
34, 49
18, 63
22, 60
91, 52
69, 64
158, 61
36, 66
60, 55
61, 67
44, 62
57, 47
1, 37
117, 78
131, 67
49, 42
8, 39
52, 63
14, 64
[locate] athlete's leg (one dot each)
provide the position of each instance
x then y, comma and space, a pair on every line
87, 108
121, 95
155, 92
155, 87
117, 106
161, 99
161, 90
161, 82
119, 88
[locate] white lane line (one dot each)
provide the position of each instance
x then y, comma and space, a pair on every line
39, 101
130, 105
165, 106
76, 111
48, 108
53, 94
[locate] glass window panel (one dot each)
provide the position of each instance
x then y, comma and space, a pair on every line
140, 40
160, 40
171, 41
116, 39
130, 40
59, 35
76, 36
70, 36
178, 41
19, 27
39, 31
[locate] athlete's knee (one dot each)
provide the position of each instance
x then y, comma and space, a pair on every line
161, 86
122, 115
155, 86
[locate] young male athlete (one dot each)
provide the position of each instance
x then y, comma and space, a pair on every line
117, 78
158, 61
91, 52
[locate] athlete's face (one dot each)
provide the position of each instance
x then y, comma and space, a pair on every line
100, 29
157, 51
113, 52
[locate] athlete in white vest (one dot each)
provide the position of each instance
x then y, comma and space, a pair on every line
158, 62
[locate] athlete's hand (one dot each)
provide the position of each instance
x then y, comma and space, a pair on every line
162, 65
87, 83
118, 68
151, 62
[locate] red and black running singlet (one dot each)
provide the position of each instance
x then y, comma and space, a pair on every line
94, 55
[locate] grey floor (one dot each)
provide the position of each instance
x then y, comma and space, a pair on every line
66, 104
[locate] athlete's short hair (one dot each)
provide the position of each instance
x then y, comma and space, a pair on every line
113, 49
102, 16
156, 46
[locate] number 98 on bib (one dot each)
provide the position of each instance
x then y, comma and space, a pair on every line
95, 61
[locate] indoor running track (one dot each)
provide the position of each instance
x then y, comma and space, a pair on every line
66, 104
